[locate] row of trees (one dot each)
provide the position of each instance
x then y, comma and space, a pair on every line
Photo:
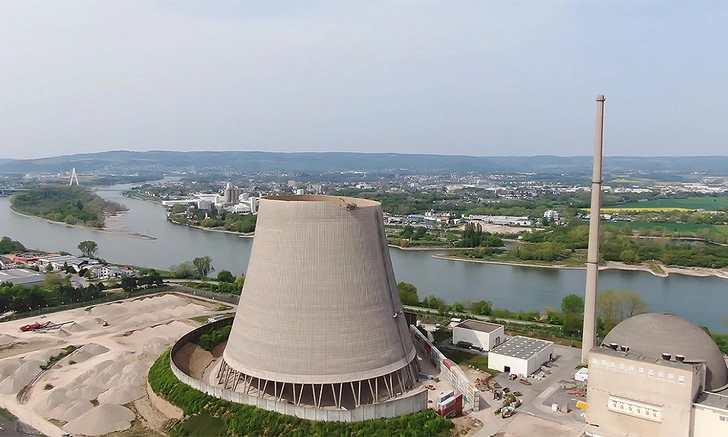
613, 306
22, 299
67, 204
199, 267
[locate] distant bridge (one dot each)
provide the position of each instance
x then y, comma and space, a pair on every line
11, 191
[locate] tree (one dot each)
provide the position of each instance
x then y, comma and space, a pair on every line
52, 279
203, 265
48, 268
617, 305
183, 271
225, 276
572, 304
408, 294
129, 283
458, 307
240, 281
628, 256
482, 307
88, 248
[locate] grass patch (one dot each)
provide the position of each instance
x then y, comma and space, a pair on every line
48, 387
223, 308
681, 228
199, 425
656, 268
467, 359
691, 203
7, 415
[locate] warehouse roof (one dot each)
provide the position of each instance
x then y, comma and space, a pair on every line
477, 325
521, 347
21, 276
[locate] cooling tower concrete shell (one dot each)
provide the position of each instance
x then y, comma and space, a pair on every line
320, 303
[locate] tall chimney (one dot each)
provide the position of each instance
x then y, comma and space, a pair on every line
592, 262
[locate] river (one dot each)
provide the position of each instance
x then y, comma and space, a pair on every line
701, 300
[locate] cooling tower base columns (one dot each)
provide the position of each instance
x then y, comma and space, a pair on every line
342, 395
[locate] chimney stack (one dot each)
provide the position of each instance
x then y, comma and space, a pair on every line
592, 266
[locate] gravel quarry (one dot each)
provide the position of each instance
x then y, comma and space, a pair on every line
88, 391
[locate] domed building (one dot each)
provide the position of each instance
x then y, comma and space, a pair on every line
657, 375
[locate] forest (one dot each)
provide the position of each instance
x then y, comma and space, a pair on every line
73, 205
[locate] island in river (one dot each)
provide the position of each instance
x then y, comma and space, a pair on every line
71, 205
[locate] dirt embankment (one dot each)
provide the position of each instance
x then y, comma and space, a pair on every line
192, 360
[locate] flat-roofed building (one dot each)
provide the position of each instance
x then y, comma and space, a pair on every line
24, 277
521, 355
482, 334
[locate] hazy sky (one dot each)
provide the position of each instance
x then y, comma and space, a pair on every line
452, 77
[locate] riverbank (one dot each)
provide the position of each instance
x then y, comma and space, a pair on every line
117, 217
222, 231
658, 270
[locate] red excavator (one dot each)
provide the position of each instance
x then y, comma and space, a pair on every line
34, 326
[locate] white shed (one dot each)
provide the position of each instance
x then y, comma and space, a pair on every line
521, 355
482, 334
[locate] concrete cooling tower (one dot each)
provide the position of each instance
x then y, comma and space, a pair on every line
320, 322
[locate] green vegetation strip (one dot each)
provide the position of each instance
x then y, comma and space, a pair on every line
209, 340
206, 414
56, 358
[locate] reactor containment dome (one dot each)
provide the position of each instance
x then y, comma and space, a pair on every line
319, 322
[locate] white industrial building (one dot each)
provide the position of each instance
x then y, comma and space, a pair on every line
482, 334
521, 355
657, 375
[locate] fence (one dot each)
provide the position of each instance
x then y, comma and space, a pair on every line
228, 298
397, 407
448, 369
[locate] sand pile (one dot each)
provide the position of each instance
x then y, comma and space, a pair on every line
63, 333
75, 327
121, 395
62, 405
89, 351
8, 367
27, 370
101, 420
7, 339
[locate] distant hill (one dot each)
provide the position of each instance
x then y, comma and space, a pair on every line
236, 161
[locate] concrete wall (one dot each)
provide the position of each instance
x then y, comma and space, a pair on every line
709, 422
500, 362
519, 366
632, 395
397, 407
448, 370
486, 340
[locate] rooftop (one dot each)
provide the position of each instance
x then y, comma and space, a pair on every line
521, 347
714, 400
20, 276
477, 325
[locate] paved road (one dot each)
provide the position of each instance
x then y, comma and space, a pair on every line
536, 395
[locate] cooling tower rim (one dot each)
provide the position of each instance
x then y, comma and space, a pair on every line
322, 378
337, 200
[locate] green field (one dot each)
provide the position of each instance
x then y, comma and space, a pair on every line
674, 227
706, 203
